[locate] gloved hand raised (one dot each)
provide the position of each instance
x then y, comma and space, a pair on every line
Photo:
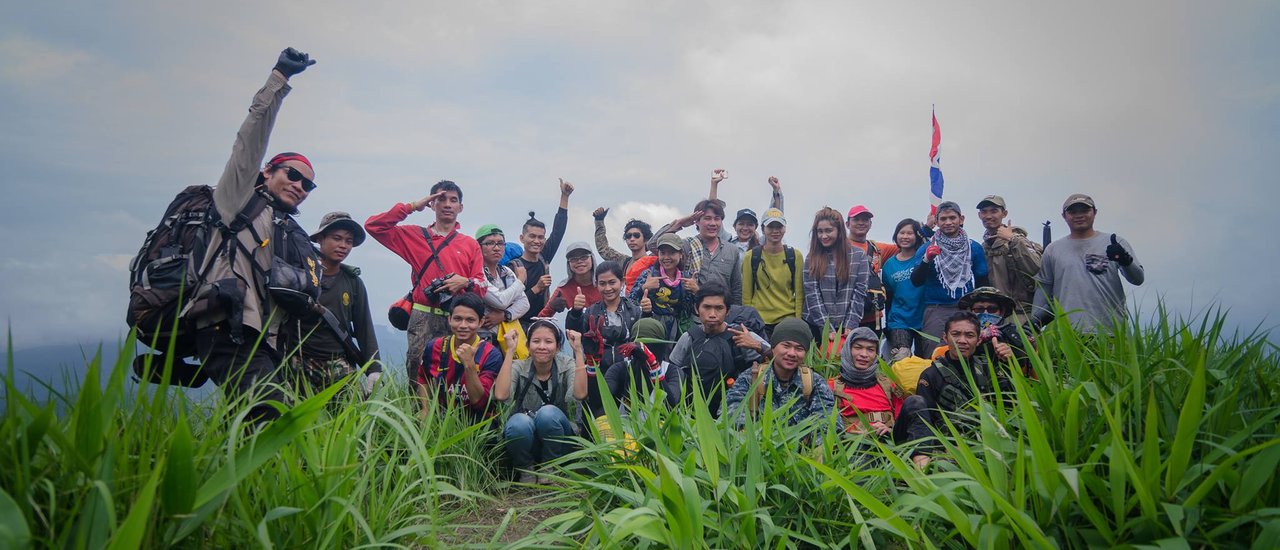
292, 62
1117, 253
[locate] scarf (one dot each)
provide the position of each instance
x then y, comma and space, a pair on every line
696, 252
671, 282
853, 376
955, 264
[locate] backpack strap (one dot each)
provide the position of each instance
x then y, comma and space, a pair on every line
806, 382
757, 256
435, 256
789, 255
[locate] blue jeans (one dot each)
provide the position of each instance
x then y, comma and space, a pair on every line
537, 437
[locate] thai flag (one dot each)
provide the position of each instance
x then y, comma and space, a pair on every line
935, 169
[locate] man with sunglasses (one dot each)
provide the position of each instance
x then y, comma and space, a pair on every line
235, 311
635, 234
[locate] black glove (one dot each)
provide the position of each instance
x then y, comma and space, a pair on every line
292, 62
1117, 253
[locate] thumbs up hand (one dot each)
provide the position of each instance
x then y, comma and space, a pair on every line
1003, 351
1117, 253
646, 305
579, 301
1005, 231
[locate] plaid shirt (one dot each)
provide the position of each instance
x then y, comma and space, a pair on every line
827, 301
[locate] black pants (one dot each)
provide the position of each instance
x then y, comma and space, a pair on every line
913, 417
241, 370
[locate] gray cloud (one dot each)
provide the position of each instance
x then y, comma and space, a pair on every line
1166, 113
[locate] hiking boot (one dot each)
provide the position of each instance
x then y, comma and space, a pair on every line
529, 478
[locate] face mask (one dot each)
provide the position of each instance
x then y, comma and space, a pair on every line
988, 319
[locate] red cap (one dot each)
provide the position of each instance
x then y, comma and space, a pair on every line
859, 209
280, 158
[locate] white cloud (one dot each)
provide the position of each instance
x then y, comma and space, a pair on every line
32, 63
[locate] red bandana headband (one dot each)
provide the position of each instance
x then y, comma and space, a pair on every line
282, 157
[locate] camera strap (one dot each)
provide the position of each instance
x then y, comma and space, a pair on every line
435, 255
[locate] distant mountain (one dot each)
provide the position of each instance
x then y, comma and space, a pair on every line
392, 345
36, 369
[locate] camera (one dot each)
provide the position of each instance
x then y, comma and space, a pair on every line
435, 290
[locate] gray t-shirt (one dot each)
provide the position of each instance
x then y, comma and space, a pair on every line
1077, 273
559, 387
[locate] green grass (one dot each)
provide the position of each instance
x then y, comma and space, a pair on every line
1159, 436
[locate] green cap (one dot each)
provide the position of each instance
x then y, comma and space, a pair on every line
486, 230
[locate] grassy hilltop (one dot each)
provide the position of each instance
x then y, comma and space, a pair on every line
1160, 436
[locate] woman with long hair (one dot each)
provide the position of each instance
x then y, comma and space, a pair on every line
604, 325
904, 319
835, 277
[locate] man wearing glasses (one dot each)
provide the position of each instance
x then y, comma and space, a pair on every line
234, 308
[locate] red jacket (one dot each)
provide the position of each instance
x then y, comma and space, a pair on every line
866, 400
564, 294
461, 256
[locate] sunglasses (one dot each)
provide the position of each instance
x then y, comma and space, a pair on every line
634, 235
987, 309
295, 176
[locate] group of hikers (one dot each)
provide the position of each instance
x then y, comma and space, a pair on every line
730, 313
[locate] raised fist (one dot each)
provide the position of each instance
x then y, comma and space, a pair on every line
292, 62
600, 213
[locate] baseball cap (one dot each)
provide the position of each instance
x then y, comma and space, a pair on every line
773, 215
1078, 198
991, 200
669, 240
746, 213
486, 230
576, 248
339, 220
859, 209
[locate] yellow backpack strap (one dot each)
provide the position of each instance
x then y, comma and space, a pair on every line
806, 381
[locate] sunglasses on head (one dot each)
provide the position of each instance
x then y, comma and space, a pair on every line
294, 175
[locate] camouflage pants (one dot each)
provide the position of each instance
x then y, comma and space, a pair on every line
318, 373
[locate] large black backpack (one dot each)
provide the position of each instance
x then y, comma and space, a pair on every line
170, 268
166, 272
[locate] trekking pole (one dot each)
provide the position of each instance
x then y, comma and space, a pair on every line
1046, 236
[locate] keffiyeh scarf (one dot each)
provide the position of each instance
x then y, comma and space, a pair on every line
955, 264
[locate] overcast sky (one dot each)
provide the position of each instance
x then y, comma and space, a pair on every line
1165, 112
